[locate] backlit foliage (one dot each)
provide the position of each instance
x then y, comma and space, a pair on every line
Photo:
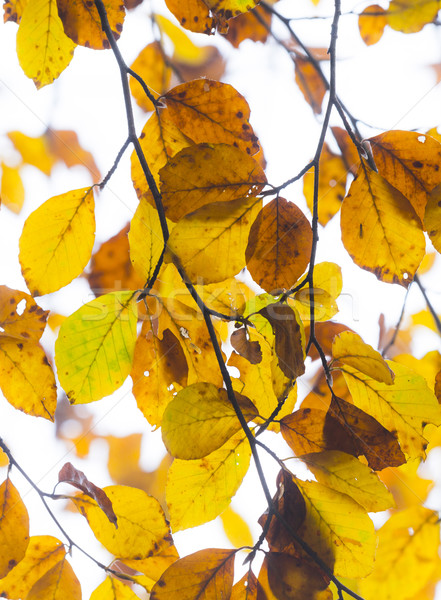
213, 302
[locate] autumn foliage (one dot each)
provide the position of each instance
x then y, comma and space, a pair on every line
212, 301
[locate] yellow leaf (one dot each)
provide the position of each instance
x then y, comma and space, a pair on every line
406, 556
211, 241
12, 193
349, 349
14, 527
409, 16
204, 174
20, 315
325, 306
279, 245
236, 528
57, 240
4, 460
26, 377
145, 240
428, 366
404, 407
59, 583
184, 49
43, 49
211, 112
160, 141
113, 589
371, 23
381, 230
346, 474
230, 8
205, 574
154, 566
65, 146
82, 22
141, 522
151, 66
406, 486
35, 151
200, 419
332, 185
327, 277
246, 588
95, 346
409, 161
338, 529
43, 553
214, 481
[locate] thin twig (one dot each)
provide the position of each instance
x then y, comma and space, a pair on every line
429, 304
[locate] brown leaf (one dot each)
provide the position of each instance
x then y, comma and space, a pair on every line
69, 474
324, 334
13, 10
290, 504
288, 338
279, 245
246, 348
350, 155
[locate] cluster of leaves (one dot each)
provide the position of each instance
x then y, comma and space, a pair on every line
199, 174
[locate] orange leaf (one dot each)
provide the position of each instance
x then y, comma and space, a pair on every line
310, 83
192, 14
14, 528
371, 24
20, 315
279, 245
59, 583
151, 66
82, 23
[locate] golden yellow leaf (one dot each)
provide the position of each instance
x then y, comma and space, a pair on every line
57, 240
35, 151
4, 460
236, 528
406, 486
247, 588
338, 529
184, 48
279, 245
349, 349
427, 366
211, 241
214, 481
406, 556
204, 174
145, 240
59, 583
310, 83
82, 22
432, 219
160, 141
12, 193
409, 161
371, 23
141, 525
43, 48
287, 577
26, 377
328, 277
14, 527
409, 16
332, 185
404, 407
192, 14
346, 474
95, 346
325, 306
200, 419
20, 315
381, 230
154, 566
43, 553
151, 66
113, 589
211, 112
13, 10
205, 574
